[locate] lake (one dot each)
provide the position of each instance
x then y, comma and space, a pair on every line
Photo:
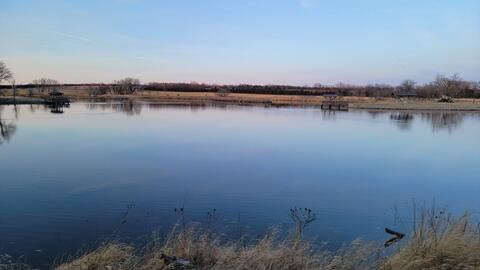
118, 170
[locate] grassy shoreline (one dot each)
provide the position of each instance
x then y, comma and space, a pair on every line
437, 240
193, 98
20, 100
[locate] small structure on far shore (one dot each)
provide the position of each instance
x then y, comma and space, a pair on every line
333, 103
56, 101
56, 98
446, 99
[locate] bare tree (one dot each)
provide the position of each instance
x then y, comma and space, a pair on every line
97, 90
14, 88
127, 86
5, 73
222, 92
45, 84
407, 86
452, 86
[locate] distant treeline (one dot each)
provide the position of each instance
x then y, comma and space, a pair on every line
442, 86
453, 86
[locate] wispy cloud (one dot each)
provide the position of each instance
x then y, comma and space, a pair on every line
128, 38
74, 37
309, 3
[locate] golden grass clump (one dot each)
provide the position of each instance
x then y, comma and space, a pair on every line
111, 256
205, 251
439, 241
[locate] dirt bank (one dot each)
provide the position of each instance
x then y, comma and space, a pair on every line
273, 100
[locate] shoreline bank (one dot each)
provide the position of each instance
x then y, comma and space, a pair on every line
437, 241
193, 98
20, 101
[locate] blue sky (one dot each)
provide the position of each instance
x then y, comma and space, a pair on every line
299, 42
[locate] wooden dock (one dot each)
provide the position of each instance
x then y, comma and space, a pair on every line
56, 99
334, 105
63, 101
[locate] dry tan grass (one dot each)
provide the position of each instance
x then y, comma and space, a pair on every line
206, 251
111, 256
80, 93
439, 241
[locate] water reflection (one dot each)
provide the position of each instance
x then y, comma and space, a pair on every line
375, 113
444, 121
135, 107
58, 108
7, 129
253, 161
402, 119
329, 115
190, 107
449, 121
129, 107
35, 107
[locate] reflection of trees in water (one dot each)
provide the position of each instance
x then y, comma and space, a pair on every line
374, 113
439, 121
16, 111
58, 108
329, 115
186, 106
35, 107
135, 107
7, 129
403, 120
475, 116
129, 107
193, 107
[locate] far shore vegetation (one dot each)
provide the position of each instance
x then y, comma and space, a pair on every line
451, 86
450, 93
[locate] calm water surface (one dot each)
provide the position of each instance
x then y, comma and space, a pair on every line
118, 170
